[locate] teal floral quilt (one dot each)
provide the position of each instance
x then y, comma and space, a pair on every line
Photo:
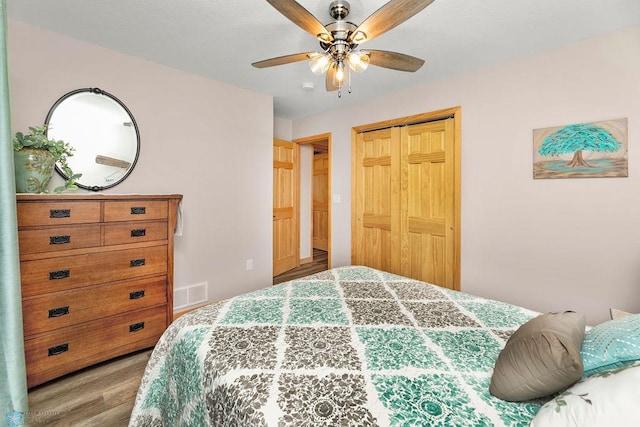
351, 346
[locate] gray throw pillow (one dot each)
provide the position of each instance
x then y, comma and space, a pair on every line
541, 358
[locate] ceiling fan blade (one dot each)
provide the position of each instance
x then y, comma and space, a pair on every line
302, 18
394, 60
281, 60
330, 73
387, 17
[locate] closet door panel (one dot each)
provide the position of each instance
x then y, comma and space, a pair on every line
427, 209
376, 200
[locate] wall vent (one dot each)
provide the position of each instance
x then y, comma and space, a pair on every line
190, 295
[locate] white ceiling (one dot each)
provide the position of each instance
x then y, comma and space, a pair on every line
220, 39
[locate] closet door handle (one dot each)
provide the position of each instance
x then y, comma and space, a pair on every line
59, 274
59, 349
136, 327
59, 240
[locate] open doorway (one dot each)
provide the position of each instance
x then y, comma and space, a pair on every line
314, 207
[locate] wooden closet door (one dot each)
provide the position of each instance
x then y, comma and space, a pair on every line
376, 200
406, 197
427, 201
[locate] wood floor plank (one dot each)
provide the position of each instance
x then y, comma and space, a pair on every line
98, 395
319, 263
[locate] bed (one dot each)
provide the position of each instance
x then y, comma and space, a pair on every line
351, 346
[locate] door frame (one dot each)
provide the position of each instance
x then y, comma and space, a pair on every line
456, 114
311, 140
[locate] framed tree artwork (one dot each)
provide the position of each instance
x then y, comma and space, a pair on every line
584, 150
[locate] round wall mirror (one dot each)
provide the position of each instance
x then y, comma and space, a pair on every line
103, 133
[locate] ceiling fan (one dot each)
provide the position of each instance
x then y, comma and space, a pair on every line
339, 40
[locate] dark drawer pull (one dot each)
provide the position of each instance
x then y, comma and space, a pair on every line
59, 274
139, 262
59, 240
138, 232
141, 210
59, 349
136, 294
59, 213
59, 311
136, 327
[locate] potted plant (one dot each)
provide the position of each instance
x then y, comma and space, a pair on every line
35, 156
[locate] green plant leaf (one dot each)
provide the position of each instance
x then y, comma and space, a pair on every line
37, 139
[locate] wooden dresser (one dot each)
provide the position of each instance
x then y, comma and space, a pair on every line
97, 277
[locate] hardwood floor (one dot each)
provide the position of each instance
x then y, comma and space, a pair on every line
320, 263
103, 395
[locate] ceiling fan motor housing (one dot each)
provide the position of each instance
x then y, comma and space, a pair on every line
339, 9
340, 30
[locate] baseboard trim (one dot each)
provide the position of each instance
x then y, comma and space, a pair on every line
185, 311
306, 260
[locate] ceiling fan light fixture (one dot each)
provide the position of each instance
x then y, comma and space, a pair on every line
319, 63
358, 61
338, 76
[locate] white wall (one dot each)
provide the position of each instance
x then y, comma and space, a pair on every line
282, 128
544, 244
194, 141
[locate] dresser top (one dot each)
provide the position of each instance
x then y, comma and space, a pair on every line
94, 196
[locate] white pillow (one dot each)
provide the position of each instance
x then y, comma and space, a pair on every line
606, 399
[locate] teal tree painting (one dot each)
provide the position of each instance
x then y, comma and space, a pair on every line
597, 149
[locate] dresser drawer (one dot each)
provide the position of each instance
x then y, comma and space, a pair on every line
54, 239
57, 213
68, 308
69, 349
135, 210
70, 272
134, 232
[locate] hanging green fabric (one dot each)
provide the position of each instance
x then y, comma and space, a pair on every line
13, 388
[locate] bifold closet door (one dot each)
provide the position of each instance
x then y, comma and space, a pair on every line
427, 204
376, 200
404, 203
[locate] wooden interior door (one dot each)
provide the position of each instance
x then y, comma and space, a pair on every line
376, 200
427, 205
286, 242
320, 190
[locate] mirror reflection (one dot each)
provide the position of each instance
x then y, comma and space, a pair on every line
103, 133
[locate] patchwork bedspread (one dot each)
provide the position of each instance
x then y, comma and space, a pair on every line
350, 346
